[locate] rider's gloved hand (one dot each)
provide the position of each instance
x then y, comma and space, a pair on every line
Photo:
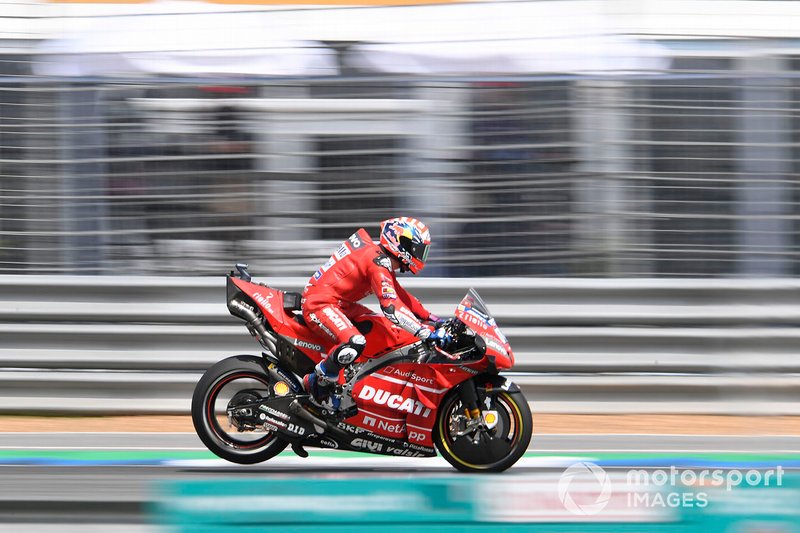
440, 337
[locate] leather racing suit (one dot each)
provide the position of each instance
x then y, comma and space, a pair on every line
356, 269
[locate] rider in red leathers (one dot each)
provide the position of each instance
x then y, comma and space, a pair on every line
357, 268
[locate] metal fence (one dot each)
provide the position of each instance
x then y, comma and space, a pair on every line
687, 173
108, 345
669, 150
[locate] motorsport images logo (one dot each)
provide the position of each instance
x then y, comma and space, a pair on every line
584, 489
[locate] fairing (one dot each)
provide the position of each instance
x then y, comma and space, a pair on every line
473, 312
399, 399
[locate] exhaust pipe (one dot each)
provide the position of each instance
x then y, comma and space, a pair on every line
255, 325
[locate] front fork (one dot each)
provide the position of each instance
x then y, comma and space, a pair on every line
477, 421
469, 399
475, 426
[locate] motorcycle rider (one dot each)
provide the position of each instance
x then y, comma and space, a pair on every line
360, 267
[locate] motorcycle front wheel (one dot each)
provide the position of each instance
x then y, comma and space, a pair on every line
482, 449
221, 414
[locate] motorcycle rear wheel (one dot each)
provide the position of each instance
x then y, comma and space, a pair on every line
497, 449
210, 404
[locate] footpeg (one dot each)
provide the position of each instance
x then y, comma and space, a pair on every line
299, 450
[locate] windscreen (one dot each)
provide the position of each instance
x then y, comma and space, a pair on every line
473, 300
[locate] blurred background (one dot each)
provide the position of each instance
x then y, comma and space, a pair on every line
572, 138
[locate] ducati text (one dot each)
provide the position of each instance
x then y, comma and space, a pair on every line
394, 401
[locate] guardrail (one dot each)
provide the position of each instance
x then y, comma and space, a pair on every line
139, 344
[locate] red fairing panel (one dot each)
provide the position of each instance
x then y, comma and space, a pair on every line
496, 343
384, 337
270, 301
400, 401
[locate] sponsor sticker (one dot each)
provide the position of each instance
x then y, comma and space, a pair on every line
490, 418
355, 241
294, 428
271, 422
351, 428
403, 452
390, 426
280, 389
387, 290
383, 261
329, 443
328, 264
496, 346
335, 318
322, 326
264, 300
408, 375
305, 344
273, 412
341, 252
364, 444
394, 401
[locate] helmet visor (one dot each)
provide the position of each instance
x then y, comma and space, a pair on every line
417, 250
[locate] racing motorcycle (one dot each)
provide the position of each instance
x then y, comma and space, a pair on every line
403, 396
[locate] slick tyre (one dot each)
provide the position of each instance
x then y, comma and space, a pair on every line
220, 412
491, 450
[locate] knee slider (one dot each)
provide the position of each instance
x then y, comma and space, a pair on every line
348, 352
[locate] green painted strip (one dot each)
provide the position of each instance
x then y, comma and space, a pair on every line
711, 456
106, 455
176, 455
601, 456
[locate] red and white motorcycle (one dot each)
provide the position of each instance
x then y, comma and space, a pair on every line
402, 396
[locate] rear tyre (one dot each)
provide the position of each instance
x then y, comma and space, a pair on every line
220, 413
484, 450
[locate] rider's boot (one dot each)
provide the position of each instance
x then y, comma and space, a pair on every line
321, 383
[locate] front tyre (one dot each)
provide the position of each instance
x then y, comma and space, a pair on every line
479, 449
220, 411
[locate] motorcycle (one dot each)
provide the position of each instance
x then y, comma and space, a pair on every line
403, 396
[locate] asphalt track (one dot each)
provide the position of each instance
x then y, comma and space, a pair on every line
103, 481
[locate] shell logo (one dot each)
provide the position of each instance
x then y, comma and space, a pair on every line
281, 388
490, 419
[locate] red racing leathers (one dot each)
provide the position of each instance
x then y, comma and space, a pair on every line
356, 269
